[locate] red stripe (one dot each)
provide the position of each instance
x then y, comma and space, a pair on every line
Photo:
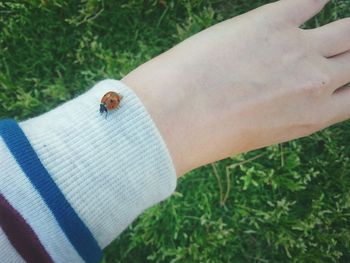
21, 235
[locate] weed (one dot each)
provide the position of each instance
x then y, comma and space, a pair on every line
277, 204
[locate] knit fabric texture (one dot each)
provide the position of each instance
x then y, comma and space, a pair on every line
93, 176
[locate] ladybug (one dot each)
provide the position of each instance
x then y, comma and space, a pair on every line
110, 101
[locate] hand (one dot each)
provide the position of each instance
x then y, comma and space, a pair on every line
248, 82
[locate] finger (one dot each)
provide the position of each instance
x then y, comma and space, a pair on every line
299, 11
332, 39
340, 67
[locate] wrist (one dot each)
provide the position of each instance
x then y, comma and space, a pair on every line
157, 84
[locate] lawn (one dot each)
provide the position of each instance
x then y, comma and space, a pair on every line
284, 203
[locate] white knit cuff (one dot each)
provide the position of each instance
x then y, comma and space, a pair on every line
109, 169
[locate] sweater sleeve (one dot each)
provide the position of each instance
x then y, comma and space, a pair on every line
72, 180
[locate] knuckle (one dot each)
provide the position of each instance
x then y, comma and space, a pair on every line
312, 126
313, 88
263, 13
309, 133
318, 4
301, 53
317, 85
325, 74
325, 79
307, 130
267, 14
346, 20
269, 6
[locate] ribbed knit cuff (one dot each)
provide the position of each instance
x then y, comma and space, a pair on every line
109, 170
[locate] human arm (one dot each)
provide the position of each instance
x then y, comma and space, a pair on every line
194, 123
248, 82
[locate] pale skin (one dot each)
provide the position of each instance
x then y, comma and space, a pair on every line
248, 82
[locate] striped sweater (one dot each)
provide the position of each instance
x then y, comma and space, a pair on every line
72, 180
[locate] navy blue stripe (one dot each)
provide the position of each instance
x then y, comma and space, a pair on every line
73, 227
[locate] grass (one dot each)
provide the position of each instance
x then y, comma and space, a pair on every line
284, 203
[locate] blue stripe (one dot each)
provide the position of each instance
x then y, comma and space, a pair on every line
73, 227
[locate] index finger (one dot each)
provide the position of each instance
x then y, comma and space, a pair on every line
298, 12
